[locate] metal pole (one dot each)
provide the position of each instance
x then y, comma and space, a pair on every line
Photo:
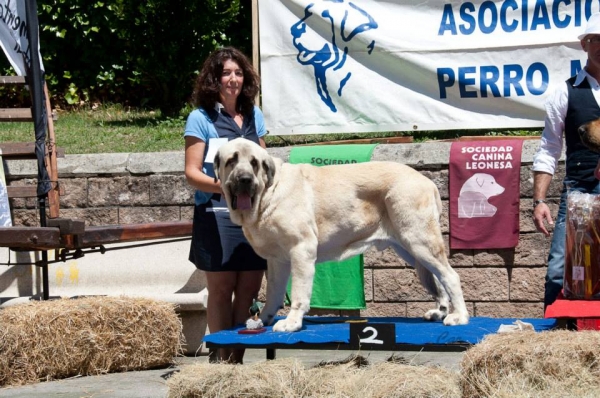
255, 42
35, 78
44, 262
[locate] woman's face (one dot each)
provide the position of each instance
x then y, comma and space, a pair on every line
232, 80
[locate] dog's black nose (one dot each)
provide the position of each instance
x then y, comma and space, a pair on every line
245, 180
244, 184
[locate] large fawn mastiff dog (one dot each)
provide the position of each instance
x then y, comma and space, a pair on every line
297, 215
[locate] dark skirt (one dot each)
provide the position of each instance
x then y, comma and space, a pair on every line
218, 244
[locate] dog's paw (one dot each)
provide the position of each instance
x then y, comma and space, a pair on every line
287, 325
456, 319
434, 315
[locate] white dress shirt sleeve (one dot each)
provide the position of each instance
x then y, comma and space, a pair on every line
551, 142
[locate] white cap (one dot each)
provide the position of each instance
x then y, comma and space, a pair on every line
593, 26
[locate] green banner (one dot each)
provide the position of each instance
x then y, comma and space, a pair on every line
326, 155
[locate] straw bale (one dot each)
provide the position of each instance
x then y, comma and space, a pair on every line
528, 364
270, 379
289, 378
45, 340
384, 380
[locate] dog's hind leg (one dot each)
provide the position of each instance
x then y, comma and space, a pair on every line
430, 283
433, 287
429, 251
278, 274
428, 255
417, 231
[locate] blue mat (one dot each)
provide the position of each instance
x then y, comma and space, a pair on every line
408, 331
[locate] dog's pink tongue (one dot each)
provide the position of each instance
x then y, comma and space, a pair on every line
243, 202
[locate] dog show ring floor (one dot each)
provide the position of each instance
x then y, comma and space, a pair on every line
152, 383
424, 347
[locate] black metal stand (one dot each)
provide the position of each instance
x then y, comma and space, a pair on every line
44, 262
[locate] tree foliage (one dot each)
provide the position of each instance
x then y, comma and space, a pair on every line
142, 54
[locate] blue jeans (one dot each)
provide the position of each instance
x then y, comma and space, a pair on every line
556, 257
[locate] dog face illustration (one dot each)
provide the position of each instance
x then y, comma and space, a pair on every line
484, 184
474, 195
327, 55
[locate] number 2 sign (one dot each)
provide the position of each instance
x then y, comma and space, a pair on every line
375, 336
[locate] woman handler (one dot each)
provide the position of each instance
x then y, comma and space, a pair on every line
224, 95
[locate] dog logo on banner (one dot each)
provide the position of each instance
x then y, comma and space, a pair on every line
474, 194
327, 55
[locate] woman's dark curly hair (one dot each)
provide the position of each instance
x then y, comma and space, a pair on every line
208, 82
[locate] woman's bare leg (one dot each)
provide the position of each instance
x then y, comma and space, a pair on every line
246, 290
221, 286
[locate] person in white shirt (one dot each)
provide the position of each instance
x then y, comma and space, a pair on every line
574, 103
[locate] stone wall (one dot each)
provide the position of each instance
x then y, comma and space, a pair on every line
140, 188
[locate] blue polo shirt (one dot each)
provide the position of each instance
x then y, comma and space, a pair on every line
213, 123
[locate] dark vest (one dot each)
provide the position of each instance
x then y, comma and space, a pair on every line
582, 108
227, 128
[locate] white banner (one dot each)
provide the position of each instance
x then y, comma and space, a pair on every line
330, 66
13, 35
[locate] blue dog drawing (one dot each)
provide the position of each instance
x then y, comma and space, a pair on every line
346, 20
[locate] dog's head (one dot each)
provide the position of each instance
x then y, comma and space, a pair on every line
484, 184
246, 170
590, 135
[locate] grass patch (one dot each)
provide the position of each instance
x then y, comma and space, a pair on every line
107, 129
115, 128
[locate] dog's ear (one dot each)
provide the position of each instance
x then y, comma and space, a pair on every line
216, 163
269, 166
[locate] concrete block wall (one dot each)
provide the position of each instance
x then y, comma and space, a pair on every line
139, 188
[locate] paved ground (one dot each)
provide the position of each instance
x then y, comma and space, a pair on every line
152, 383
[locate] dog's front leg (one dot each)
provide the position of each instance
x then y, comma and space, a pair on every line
278, 273
303, 271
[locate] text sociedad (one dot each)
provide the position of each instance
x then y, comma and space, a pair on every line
488, 157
